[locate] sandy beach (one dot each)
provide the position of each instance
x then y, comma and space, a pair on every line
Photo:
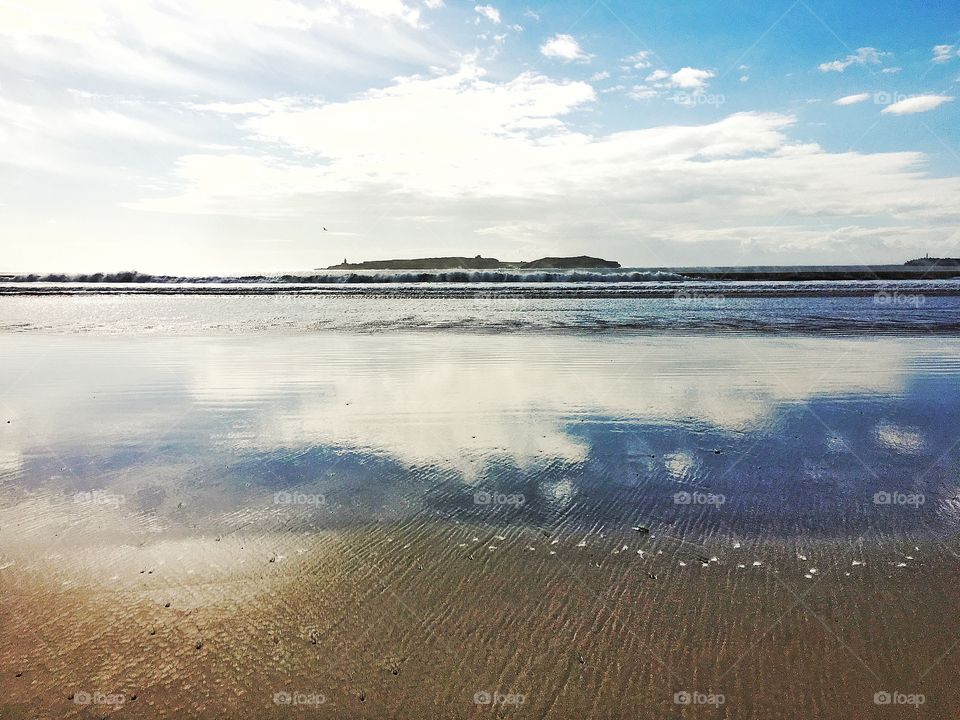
357, 526
404, 622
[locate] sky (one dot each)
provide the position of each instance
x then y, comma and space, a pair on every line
223, 136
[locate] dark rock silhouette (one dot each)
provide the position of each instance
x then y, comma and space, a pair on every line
477, 263
929, 261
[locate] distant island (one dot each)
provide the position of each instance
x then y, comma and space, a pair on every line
929, 261
579, 262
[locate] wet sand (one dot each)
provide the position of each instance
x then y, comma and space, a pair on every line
342, 527
402, 621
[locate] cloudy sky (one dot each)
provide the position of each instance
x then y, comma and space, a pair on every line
224, 135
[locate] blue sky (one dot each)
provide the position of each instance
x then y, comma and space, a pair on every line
223, 135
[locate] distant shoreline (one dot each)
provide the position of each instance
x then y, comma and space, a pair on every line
934, 262
578, 262
768, 273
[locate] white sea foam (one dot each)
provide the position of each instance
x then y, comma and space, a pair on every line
341, 277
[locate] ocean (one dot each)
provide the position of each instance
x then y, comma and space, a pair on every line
654, 305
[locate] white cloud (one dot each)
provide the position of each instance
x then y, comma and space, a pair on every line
433, 122
642, 92
744, 78
503, 159
72, 140
917, 104
564, 47
639, 60
117, 126
154, 45
65, 19
255, 107
686, 78
891, 70
852, 99
599, 76
863, 56
944, 53
489, 12
690, 78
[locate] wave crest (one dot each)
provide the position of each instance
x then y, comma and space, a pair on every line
349, 277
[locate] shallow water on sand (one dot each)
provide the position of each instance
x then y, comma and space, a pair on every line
590, 526
811, 308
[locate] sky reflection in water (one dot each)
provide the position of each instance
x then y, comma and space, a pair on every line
733, 434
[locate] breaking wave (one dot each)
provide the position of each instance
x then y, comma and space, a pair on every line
350, 277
